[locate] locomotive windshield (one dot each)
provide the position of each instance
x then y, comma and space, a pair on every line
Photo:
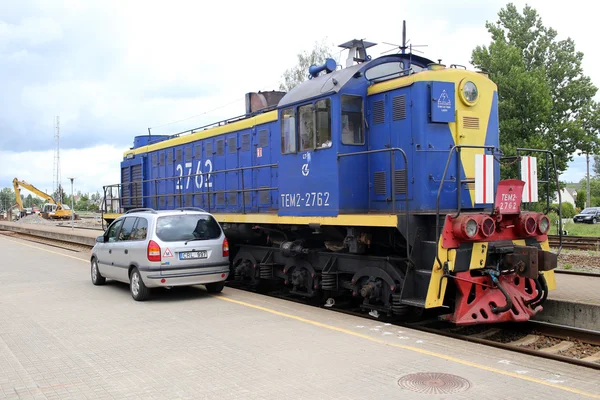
391, 70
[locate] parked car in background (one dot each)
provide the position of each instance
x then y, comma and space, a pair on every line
148, 249
590, 215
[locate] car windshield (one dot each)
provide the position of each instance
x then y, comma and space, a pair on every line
176, 228
589, 211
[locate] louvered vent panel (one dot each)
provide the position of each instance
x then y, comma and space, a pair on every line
378, 112
399, 107
199, 150
379, 183
136, 188
263, 138
178, 155
188, 153
220, 147
232, 199
220, 198
471, 122
264, 196
154, 160
232, 144
209, 149
248, 199
169, 157
400, 181
246, 142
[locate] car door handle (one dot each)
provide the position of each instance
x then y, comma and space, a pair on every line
126, 251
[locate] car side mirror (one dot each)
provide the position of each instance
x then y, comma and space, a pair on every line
100, 239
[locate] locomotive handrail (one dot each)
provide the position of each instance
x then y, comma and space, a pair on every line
393, 187
128, 185
456, 148
547, 182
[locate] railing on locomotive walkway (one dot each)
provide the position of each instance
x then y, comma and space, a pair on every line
393, 151
134, 197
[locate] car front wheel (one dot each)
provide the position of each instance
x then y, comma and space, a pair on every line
139, 291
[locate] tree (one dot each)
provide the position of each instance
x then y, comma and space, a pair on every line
7, 198
580, 199
545, 101
294, 76
596, 166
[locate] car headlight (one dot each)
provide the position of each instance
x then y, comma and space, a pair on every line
471, 228
469, 93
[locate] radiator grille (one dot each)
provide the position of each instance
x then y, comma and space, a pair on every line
220, 147
378, 112
379, 183
399, 107
263, 138
232, 144
471, 122
400, 181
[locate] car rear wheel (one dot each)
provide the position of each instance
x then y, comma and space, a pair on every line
215, 287
97, 279
139, 291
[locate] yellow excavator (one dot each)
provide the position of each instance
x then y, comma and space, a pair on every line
51, 210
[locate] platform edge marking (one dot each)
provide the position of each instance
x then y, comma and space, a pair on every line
410, 348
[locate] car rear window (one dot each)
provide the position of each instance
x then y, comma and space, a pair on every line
176, 228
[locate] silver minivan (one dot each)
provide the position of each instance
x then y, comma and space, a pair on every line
148, 248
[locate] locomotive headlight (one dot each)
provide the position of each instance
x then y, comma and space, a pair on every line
471, 228
544, 224
469, 93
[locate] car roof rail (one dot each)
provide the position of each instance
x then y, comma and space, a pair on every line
191, 209
152, 210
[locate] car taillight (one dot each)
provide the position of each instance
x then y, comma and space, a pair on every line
225, 248
153, 251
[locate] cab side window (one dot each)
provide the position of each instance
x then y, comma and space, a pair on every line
113, 231
288, 131
140, 229
126, 229
352, 120
306, 127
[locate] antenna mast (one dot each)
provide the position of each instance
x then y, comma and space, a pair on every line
56, 172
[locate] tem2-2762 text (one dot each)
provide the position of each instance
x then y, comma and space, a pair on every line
308, 199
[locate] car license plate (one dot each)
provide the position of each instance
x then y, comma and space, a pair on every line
192, 255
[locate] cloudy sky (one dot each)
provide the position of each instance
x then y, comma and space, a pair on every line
111, 69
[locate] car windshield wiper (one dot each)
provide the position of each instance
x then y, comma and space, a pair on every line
194, 239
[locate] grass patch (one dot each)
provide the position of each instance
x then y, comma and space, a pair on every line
578, 229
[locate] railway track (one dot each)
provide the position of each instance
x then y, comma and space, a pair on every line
557, 342
576, 242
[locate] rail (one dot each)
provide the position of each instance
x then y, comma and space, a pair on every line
392, 186
125, 202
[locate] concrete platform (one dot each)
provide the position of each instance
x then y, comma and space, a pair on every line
62, 337
75, 235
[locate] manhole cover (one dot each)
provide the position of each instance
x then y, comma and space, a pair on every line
434, 383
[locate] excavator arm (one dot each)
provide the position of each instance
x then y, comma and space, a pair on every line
18, 194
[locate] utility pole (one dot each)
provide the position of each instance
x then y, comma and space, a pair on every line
56, 171
587, 195
72, 205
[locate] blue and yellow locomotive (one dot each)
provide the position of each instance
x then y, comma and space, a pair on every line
379, 181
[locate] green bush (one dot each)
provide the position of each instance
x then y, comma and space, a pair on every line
567, 210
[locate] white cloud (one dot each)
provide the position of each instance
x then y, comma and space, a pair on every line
92, 168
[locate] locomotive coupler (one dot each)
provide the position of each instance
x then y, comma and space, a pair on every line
495, 309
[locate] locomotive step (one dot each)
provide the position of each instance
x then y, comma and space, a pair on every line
414, 302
